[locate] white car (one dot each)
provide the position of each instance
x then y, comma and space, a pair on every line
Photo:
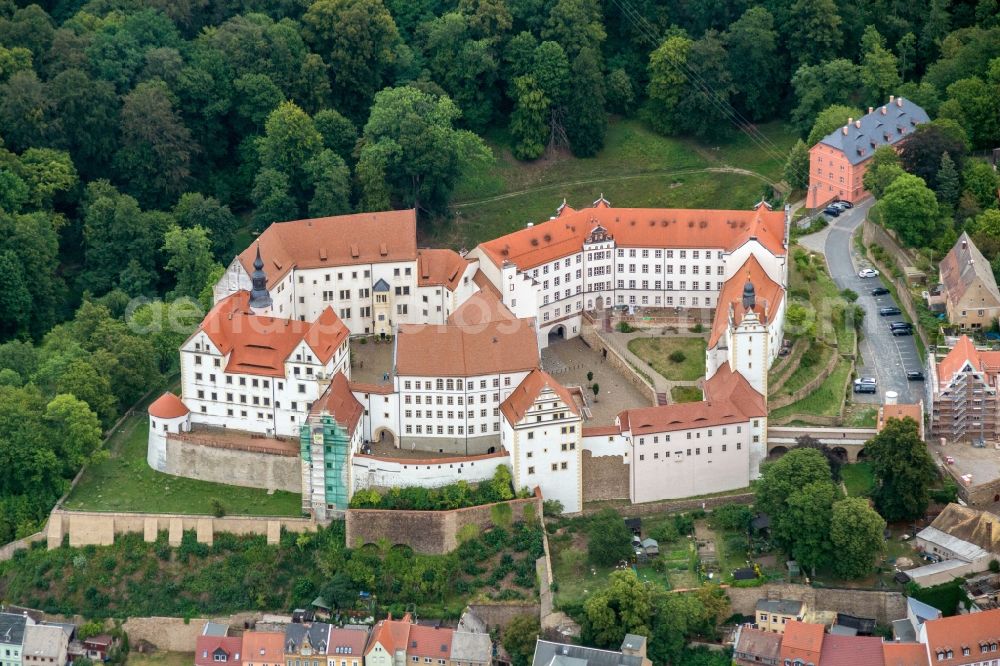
867, 273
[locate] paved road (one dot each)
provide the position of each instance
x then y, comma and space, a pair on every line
883, 355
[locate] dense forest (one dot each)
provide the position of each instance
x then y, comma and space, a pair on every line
143, 141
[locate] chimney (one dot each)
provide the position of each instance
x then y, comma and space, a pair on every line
899, 102
870, 109
965, 244
844, 130
857, 123
850, 120
884, 111
892, 98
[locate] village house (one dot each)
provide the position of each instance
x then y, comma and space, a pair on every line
837, 164
12, 627
971, 297
774, 614
962, 389
631, 653
263, 648
45, 645
961, 540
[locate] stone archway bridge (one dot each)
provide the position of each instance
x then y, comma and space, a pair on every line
851, 440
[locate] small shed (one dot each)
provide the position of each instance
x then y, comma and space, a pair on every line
746, 573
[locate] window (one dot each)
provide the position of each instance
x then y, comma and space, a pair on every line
531, 470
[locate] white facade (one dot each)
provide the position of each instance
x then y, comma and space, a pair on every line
376, 472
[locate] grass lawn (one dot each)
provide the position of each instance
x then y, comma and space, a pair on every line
636, 168
124, 482
685, 394
826, 399
160, 659
859, 479
657, 351
803, 374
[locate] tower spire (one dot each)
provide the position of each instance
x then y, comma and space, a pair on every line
749, 294
260, 297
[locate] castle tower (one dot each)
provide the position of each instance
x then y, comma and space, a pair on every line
260, 297
749, 342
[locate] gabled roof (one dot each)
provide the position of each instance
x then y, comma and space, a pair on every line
729, 398
980, 528
953, 362
885, 125
962, 631
347, 641
904, 654
851, 651
966, 273
433, 642
45, 641
448, 350
768, 295
780, 606
259, 345
900, 411
338, 401
206, 648
442, 268
803, 641
327, 242
759, 643
316, 633
168, 406
468, 646
12, 628
391, 634
638, 227
548, 653
921, 611
263, 646
481, 307
523, 397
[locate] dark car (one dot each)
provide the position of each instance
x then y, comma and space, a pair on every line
845, 204
831, 211
864, 387
879, 291
889, 311
915, 376
897, 325
899, 332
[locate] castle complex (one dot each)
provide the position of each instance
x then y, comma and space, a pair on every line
269, 385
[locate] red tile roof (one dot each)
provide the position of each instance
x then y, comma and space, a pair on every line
901, 411
768, 295
965, 267
259, 345
327, 242
524, 396
429, 642
851, 651
207, 646
963, 351
904, 654
440, 268
479, 308
464, 351
954, 634
338, 401
484, 283
729, 399
391, 634
638, 227
263, 646
346, 641
601, 431
802, 641
168, 406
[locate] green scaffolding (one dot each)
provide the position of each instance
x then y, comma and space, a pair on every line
323, 433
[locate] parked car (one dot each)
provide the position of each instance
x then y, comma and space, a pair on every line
890, 311
846, 204
831, 211
915, 376
840, 205
879, 291
900, 324
864, 387
866, 380
900, 332
867, 273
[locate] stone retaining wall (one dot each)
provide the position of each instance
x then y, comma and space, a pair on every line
498, 616
86, 528
604, 478
788, 365
881, 605
429, 532
810, 386
251, 469
598, 344
666, 506
8, 550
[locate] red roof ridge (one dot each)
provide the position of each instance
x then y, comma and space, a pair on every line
524, 395
168, 406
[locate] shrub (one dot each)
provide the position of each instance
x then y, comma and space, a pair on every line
677, 356
552, 508
625, 327
697, 328
609, 541
850, 295
994, 566
218, 510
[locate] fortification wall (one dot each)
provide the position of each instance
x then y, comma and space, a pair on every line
87, 528
430, 532
375, 472
883, 606
604, 477
233, 467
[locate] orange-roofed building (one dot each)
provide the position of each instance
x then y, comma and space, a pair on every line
802, 643
338, 261
962, 640
837, 164
599, 257
904, 654
542, 429
901, 411
963, 393
263, 648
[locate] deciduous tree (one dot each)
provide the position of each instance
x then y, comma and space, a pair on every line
519, 638
856, 534
796, 171
910, 208
903, 470
586, 119
751, 43
529, 121
609, 542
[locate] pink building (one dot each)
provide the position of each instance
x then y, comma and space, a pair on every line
837, 163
